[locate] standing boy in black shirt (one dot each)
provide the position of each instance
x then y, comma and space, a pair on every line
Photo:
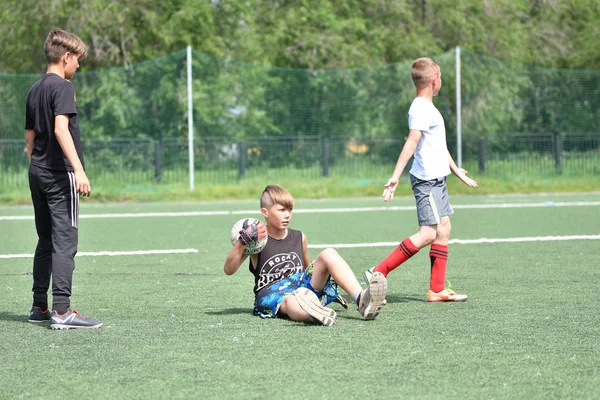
56, 179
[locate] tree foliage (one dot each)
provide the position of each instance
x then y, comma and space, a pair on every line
306, 33
311, 68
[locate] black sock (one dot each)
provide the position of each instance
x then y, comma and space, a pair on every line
40, 300
61, 304
60, 308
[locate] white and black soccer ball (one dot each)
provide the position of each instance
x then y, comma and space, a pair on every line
252, 248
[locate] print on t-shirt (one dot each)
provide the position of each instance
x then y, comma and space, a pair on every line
278, 267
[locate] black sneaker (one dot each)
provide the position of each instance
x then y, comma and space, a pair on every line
72, 320
38, 315
341, 300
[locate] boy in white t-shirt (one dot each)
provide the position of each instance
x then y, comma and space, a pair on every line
432, 163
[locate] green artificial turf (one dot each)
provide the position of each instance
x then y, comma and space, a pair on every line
175, 326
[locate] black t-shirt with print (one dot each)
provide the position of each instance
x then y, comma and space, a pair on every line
50, 96
279, 259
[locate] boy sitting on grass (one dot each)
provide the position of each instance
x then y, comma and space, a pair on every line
287, 284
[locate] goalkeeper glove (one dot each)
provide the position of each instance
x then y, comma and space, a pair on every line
253, 233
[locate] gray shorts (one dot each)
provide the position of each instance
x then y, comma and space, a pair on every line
432, 199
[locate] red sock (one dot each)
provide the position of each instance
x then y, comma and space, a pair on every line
403, 252
439, 259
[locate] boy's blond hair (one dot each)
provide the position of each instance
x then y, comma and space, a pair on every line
59, 42
422, 70
275, 194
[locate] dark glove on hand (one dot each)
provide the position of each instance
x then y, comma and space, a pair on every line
252, 233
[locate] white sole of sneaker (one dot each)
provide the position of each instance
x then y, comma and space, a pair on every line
459, 300
377, 293
64, 326
310, 303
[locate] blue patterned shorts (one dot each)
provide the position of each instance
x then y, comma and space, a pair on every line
269, 299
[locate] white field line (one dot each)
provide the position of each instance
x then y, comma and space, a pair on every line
465, 241
337, 245
316, 210
113, 253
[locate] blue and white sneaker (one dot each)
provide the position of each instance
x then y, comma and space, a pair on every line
38, 315
72, 320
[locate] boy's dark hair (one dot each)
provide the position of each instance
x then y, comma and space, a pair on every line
275, 194
59, 42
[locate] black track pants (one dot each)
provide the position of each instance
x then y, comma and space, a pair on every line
56, 206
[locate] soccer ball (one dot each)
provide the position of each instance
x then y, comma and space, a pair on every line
252, 248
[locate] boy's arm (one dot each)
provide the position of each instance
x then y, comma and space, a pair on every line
460, 172
305, 257
407, 152
235, 258
29, 137
61, 129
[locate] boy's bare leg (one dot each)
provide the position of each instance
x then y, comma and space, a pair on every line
426, 235
442, 232
330, 263
291, 308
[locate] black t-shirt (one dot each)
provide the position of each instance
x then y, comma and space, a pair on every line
279, 259
50, 96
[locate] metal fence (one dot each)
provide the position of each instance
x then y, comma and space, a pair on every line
249, 120
122, 162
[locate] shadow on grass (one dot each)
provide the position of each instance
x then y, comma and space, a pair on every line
21, 318
231, 311
394, 298
406, 298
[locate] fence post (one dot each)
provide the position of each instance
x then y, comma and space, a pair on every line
158, 161
325, 161
557, 149
190, 116
481, 155
458, 111
242, 160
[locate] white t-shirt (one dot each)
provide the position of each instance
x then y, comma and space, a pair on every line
431, 155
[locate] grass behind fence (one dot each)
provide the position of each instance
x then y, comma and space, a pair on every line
351, 179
